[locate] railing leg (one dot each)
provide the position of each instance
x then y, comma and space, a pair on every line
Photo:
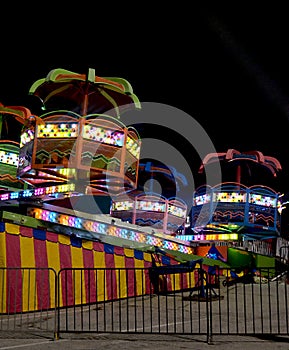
209, 311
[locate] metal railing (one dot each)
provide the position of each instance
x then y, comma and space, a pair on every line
28, 300
144, 300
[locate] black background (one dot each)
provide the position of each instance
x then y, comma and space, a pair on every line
225, 65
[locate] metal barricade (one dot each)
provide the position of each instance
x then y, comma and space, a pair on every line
28, 300
144, 301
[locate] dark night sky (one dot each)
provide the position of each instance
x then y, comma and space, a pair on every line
227, 66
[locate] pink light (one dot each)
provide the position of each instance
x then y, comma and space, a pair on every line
39, 191
4, 196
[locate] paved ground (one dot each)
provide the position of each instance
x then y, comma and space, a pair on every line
82, 341
33, 336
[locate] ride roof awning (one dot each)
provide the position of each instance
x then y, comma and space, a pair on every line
84, 93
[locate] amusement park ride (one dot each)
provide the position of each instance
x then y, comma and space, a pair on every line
76, 167
233, 209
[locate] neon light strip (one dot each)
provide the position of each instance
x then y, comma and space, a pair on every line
123, 205
180, 212
9, 158
235, 197
200, 200
37, 192
211, 237
133, 147
111, 137
106, 229
231, 197
54, 130
150, 206
266, 201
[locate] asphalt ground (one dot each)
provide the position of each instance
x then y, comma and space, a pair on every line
155, 342
33, 338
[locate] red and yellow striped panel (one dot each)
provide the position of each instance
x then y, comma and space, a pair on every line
38, 256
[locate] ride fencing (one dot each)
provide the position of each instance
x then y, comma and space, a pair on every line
28, 300
182, 299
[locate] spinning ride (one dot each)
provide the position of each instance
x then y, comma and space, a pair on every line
232, 210
9, 148
78, 153
86, 144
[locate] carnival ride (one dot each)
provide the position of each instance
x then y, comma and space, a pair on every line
9, 148
78, 165
232, 210
75, 171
